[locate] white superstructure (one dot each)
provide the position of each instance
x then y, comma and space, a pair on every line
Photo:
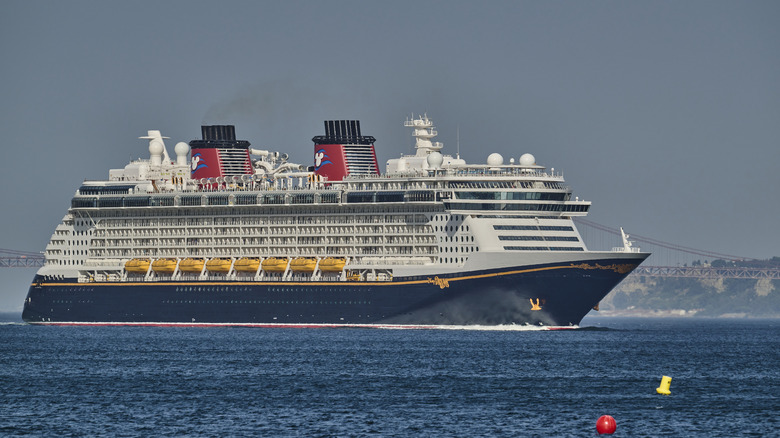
428, 214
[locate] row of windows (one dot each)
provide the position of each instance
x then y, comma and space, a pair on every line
505, 184
269, 199
543, 248
63, 262
446, 249
258, 218
211, 200
512, 196
482, 184
195, 200
456, 238
515, 207
68, 252
451, 228
105, 190
452, 259
263, 302
286, 210
212, 289
518, 216
228, 289
411, 196
270, 289
544, 238
218, 200
532, 228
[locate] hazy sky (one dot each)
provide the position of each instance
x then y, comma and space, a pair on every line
665, 114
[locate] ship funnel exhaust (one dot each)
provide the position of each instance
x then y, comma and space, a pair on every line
219, 154
343, 151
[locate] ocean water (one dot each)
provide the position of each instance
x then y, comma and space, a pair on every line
148, 381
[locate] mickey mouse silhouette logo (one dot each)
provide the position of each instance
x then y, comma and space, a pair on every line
197, 163
320, 159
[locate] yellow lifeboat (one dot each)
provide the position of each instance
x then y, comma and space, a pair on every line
331, 264
303, 264
247, 265
218, 265
192, 265
164, 266
274, 264
137, 266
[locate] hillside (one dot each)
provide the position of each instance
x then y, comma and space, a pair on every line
700, 297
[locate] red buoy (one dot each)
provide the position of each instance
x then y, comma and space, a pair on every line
606, 425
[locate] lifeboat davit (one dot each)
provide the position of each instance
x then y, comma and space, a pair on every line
218, 265
192, 265
137, 266
164, 266
303, 264
274, 264
247, 264
332, 264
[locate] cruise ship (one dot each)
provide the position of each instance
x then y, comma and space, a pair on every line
229, 235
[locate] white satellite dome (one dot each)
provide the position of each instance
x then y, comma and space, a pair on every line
156, 147
495, 159
527, 160
456, 162
181, 148
434, 160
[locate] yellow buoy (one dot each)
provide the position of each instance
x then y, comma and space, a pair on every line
666, 381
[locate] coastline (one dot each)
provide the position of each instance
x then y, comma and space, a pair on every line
673, 313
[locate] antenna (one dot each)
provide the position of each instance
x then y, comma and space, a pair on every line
457, 133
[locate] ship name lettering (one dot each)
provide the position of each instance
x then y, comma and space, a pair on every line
441, 282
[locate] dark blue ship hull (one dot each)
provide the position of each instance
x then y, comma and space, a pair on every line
554, 295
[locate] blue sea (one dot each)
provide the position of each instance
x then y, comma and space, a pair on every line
152, 381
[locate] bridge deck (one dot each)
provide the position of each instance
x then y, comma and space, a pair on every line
706, 272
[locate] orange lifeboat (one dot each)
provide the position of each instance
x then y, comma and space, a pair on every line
192, 265
246, 264
303, 264
137, 266
274, 264
218, 265
332, 264
164, 266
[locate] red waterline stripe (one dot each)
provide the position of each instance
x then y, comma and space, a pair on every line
282, 325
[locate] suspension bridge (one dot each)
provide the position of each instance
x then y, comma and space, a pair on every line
668, 259
10, 258
673, 260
